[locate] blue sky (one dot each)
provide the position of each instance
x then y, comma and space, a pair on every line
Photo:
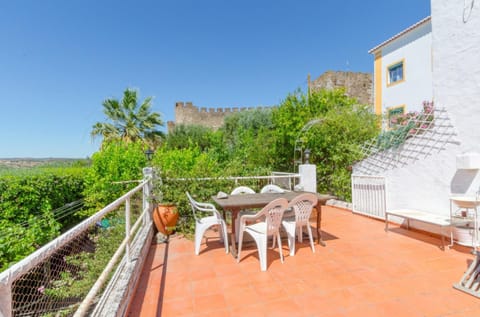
60, 59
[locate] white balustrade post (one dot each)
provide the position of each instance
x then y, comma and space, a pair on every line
308, 177
6, 300
127, 226
148, 172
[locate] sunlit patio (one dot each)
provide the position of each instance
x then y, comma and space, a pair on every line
363, 271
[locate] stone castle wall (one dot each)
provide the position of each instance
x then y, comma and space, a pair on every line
357, 85
187, 113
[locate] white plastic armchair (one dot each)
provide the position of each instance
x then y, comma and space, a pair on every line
271, 188
241, 190
266, 223
203, 223
302, 206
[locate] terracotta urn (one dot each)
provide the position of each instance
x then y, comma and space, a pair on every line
165, 217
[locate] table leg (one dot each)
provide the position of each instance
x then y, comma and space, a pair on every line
319, 226
233, 239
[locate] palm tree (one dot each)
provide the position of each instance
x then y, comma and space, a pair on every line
130, 122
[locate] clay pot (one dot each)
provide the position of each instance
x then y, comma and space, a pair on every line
165, 217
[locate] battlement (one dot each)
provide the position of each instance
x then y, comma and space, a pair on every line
357, 85
188, 106
188, 113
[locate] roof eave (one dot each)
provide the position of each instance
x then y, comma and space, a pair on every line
396, 36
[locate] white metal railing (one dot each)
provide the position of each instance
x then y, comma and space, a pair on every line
283, 179
369, 195
25, 287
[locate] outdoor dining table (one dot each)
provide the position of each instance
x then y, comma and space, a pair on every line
235, 203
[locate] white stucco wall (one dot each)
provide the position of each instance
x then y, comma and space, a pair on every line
456, 62
414, 48
428, 183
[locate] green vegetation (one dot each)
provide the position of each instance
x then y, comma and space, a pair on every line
27, 202
259, 141
31, 191
85, 267
404, 126
112, 168
249, 140
344, 126
29, 166
185, 136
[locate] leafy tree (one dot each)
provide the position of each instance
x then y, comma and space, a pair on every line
343, 126
185, 136
186, 162
248, 138
243, 144
335, 143
129, 121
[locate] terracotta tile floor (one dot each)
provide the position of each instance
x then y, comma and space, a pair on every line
363, 271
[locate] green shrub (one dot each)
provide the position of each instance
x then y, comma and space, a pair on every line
112, 168
187, 136
182, 170
343, 126
27, 203
248, 139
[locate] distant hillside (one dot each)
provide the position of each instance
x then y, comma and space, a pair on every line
35, 162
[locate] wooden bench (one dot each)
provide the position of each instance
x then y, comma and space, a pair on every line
422, 216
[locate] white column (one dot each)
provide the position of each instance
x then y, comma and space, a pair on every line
308, 177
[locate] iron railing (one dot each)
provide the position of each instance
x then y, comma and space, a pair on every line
53, 281
64, 277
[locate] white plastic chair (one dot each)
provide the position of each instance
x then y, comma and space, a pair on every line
266, 223
241, 190
302, 206
272, 188
203, 223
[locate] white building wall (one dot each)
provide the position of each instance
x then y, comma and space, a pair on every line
414, 48
457, 66
428, 183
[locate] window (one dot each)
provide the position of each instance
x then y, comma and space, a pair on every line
393, 114
395, 73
